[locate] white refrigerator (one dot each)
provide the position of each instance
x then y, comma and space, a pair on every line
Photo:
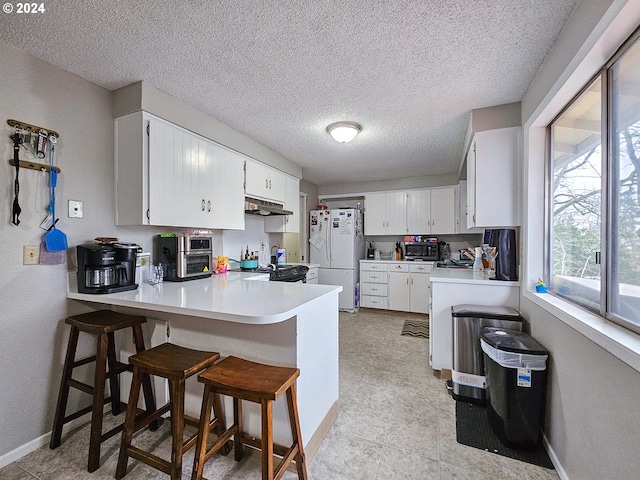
337, 245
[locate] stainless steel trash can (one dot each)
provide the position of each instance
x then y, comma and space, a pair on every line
467, 375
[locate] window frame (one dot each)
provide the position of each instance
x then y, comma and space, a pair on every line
608, 202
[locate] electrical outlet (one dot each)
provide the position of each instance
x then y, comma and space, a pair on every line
76, 209
31, 254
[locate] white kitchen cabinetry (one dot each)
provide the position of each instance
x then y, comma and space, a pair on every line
463, 211
168, 176
454, 287
373, 285
399, 288
264, 182
312, 275
385, 213
431, 211
402, 286
493, 178
287, 223
419, 287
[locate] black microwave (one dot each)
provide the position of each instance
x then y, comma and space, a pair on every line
420, 248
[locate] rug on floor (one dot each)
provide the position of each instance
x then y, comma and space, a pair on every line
415, 328
473, 429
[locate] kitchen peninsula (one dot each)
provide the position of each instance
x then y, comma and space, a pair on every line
236, 313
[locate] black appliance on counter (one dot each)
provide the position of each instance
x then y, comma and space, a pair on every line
420, 247
504, 239
106, 267
184, 257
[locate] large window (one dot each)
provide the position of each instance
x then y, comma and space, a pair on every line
594, 201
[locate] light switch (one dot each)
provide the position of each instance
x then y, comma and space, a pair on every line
76, 209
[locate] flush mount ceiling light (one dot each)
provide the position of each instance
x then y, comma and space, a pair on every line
344, 132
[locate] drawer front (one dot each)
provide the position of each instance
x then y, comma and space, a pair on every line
398, 267
375, 289
312, 273
373, 277
369, 301
421, 268
373, 267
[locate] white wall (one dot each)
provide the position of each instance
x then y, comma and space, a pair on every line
592, 420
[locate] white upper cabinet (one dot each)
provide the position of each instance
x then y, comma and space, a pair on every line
493, 178
418, 212
287, 223
168, 176
431, 211
264, 182
385, 213
463, 210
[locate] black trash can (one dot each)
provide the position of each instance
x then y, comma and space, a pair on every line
516, 368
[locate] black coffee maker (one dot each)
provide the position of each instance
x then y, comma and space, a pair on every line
504, 239
106, 267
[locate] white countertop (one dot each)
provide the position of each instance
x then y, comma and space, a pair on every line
466, 275
239, 297
417, 262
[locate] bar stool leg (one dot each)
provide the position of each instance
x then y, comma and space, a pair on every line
129, 421
203, 434
267, 440
176, 391
295, 431
114, 384
147, 391
237, 437
98, 403
63, 395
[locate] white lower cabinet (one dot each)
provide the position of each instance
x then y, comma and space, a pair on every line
312, 275
373, 285
445, 293
419, 287
401, 286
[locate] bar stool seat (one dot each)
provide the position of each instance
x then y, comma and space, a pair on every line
258, 383
176, 364
102, 324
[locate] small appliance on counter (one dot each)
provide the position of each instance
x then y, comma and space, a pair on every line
184, 257
504, 239
371, 252
419, 247
106, 267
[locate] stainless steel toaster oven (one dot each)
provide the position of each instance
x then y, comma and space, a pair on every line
184, 257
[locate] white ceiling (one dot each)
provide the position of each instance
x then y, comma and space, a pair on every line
408, 71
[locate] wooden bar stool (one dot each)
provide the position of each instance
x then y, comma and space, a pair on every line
258, 383
103, 324
176, 364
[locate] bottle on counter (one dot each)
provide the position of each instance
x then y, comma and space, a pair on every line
246, 255
477, 262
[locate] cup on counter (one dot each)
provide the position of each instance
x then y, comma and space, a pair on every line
156, 274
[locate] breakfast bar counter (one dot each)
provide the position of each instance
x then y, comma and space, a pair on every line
238, 313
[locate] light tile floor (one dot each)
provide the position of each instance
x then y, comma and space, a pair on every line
395, 421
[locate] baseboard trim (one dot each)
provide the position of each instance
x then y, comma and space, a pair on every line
554, 459
40, 441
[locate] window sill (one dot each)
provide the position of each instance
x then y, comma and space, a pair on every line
620, 342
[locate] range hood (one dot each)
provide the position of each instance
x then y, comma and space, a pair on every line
263, 207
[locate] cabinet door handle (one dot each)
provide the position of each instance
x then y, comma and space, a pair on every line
412, 281
209, 206
266, 183
407, 281
203, 205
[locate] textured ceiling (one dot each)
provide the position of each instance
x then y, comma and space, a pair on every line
408, 71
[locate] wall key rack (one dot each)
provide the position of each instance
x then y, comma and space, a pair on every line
28, 130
